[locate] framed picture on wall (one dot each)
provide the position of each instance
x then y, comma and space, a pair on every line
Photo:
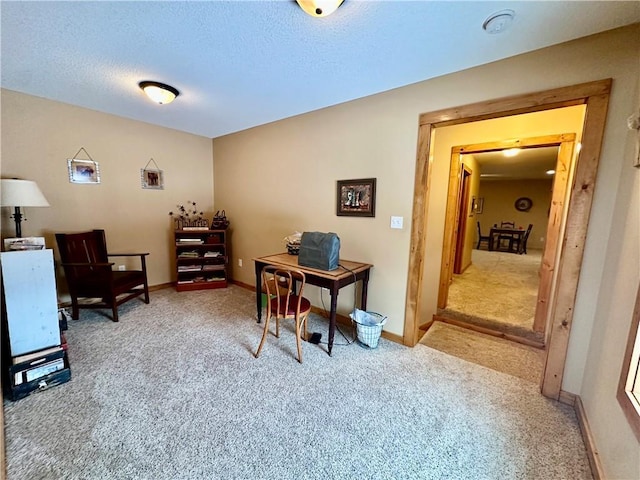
152, 179
356, 198
477, 204
83, 171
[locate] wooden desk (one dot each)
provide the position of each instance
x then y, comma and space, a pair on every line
516, 236
347, 273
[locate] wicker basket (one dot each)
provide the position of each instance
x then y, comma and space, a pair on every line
368, 327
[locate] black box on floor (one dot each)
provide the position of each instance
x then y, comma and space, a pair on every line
38, 372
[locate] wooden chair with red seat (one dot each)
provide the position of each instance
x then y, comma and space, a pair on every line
285, 302
90, 274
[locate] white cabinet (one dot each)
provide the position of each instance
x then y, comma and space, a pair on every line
31, 301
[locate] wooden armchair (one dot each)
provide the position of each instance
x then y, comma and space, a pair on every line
90, 275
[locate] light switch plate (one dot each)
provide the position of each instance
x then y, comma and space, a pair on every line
396, 222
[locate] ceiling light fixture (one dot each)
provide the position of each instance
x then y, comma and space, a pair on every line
550, 172
319, 8
159, 92
511, 152
498, 22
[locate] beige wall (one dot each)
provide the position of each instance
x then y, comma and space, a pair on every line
38, 136
282, 177
499, 199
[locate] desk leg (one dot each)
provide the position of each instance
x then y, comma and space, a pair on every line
363, 297
258, 291
491, 242
332, 316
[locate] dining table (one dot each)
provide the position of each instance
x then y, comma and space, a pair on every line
514, 234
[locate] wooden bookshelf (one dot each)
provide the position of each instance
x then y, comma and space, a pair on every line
202, 259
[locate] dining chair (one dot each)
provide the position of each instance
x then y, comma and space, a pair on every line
522, 242
90, 274
284, 288
506, 237
482, 238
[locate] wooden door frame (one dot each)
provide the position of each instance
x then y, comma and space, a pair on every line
462, 214
595, 95
565, 143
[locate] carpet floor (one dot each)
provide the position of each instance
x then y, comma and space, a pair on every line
173, 391
496, 353
499, 291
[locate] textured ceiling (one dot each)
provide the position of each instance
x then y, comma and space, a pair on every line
240, 64
530, 163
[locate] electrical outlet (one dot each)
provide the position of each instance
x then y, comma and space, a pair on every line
542, 239
239, 262
121, 267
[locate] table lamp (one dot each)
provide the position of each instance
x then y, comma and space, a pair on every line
20, 193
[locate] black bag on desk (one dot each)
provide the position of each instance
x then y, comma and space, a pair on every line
319, 250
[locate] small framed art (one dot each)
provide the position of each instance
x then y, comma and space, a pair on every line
152, 179
477, 205
83, 171
356, 198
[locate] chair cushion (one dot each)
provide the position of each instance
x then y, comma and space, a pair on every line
305, 305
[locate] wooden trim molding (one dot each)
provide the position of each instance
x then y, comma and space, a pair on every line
589, 442
580, 201
575, 401
595, 95
622, 395
488, 331
526, 103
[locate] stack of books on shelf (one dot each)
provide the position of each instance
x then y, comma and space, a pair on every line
189, 268
190, 241
189, 254
211, 254
209, 268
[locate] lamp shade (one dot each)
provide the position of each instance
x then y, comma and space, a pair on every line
319, 8
21, 193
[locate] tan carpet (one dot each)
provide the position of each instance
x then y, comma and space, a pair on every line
498, 354
173, 391
498, 290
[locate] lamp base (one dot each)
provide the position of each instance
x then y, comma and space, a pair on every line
17, 216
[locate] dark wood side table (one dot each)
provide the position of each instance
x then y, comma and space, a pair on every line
347, 273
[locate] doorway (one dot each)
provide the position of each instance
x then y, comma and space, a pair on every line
595, 97
500, 275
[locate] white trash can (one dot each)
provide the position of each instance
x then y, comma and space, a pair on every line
368, 326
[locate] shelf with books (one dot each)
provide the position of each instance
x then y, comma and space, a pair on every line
202, 259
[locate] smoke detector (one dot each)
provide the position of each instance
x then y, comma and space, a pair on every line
498, 22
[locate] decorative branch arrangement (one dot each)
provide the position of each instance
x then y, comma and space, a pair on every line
189, 217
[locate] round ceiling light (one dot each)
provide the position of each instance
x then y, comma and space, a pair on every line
319, 8
159, 92
498, 22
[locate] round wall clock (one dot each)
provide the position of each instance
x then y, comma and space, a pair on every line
523, 204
